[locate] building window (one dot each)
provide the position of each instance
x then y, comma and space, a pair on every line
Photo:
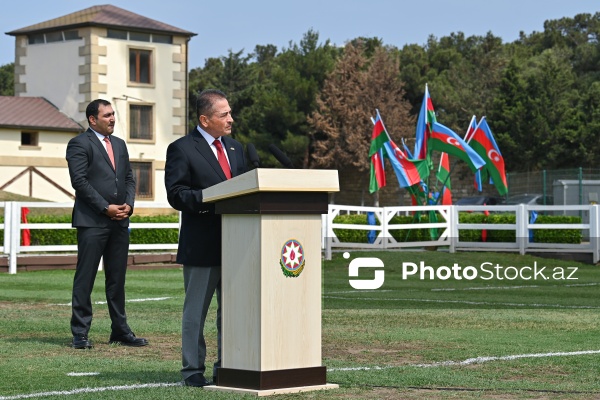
37, 38
56, 36
116, 34
29, 139
140, 122
71, 35
140, 65
156, 38
139, 36
142, 173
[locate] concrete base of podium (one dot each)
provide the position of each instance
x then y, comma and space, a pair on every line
271, 392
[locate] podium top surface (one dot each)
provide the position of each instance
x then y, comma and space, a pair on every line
274, 180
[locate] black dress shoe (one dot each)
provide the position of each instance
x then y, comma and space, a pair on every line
81, 342
128, 340
196, 380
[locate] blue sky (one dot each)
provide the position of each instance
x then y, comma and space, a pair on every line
239, 24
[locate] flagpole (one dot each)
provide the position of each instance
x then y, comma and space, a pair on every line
382, 124
445, 181
474, 130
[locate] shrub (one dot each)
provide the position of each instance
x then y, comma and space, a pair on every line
351, 235
556, 235
154, 236
411, 235
539, 235
467, 235
43, 237
401, 235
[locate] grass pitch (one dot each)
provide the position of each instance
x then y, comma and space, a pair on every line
411, 338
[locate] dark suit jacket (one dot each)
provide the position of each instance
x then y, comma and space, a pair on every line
95, 181
191, 166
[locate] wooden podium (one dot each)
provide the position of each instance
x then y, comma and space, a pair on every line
271, 279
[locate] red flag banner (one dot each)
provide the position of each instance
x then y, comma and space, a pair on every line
25, 233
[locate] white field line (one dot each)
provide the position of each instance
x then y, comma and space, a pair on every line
88, 390
472, 288
468, 361
83, 373
127, 301
360, 291
514, 287
474, 303
481, 360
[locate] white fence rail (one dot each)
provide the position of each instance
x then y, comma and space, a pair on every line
448, 227
13, 227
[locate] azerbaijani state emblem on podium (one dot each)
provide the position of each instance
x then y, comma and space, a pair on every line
292, 258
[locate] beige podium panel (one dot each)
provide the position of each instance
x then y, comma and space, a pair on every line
271, 279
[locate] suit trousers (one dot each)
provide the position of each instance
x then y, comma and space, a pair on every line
111, 243
200, 284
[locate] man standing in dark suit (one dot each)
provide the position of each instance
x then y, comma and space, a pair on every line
104, 194
199, 160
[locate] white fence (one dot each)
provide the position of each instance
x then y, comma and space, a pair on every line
13, 228
448, 227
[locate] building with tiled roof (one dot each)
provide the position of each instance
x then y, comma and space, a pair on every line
138, 64
32, 132
106, 16
34, 113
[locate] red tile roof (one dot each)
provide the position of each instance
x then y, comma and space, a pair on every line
34, 113
106, 16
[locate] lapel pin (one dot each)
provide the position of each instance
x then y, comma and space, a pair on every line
232, 149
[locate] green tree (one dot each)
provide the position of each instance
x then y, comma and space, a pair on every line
7, 80
229, 74
355, 89
283, 94
508, 118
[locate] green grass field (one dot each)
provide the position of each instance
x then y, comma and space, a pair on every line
480, 338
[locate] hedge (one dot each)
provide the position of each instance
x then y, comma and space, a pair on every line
44, 237
401, 235
573, 236
469, 235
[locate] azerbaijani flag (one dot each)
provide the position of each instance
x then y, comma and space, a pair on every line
443, 175
445, 140
377, 178
378, 138
468, 136
426, 118
408, 172
406, 150
484, 144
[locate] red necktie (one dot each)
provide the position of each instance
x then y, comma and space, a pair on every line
110, 152
222, 159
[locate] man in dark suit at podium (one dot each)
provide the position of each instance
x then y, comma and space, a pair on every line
203, 158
